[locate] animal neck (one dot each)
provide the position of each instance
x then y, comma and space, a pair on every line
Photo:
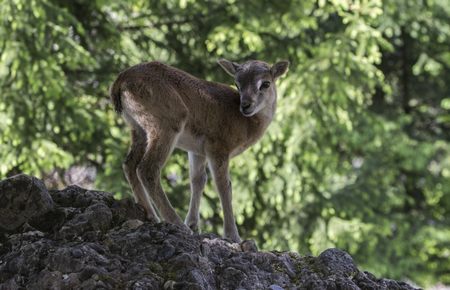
263, 118
269, 111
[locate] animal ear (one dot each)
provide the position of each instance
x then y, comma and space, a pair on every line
228, 66
279, 68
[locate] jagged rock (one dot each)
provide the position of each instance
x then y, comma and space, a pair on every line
22, 198
87, 240
336, 262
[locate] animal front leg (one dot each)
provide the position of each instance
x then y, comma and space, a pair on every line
219, 169
198, 177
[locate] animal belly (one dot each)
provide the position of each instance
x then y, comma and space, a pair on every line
238, 150
189, 142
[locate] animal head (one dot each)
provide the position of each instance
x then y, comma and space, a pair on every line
255, 81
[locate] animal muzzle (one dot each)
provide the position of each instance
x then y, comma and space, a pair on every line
247, 107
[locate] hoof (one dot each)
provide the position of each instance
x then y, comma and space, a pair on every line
234, 238
152, 218
193, 225
187, 229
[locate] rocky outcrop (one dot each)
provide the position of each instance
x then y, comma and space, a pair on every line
22, 198
84, 239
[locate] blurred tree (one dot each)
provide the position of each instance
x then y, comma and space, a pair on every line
358, 156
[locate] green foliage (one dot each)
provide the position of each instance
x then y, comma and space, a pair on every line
358, 156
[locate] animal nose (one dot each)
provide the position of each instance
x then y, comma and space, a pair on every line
246, 104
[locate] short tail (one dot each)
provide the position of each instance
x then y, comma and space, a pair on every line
115, 94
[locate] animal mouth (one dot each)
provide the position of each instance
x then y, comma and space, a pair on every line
248, 111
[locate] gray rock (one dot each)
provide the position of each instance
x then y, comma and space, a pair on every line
96, 217
23, 198
249, 246
336, 262
87, 240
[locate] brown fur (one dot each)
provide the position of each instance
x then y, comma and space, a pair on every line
168, 108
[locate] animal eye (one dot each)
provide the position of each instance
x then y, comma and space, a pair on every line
265, 85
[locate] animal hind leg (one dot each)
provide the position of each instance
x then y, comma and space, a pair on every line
159, 148
135, 154
161, 113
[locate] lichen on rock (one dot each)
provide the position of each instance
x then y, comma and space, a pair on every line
81, 239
